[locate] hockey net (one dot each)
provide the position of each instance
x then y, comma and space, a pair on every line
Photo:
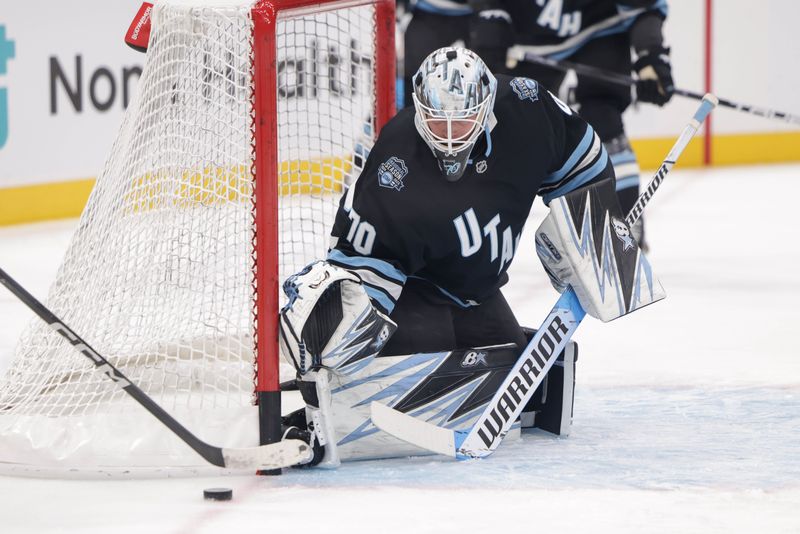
245, 116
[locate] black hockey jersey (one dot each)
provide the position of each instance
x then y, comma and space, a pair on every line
451, 8
558, 28
401, 218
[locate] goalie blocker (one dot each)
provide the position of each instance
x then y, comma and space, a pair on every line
332, 334
584, 242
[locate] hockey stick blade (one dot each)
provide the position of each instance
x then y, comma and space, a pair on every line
535, 361
412, 430
266, 457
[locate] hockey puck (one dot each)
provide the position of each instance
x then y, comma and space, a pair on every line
218, 494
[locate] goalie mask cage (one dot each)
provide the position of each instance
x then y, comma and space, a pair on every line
249, 120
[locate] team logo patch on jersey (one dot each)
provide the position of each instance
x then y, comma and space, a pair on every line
391, 173
623, 233
526, 88
473, 358
481, 166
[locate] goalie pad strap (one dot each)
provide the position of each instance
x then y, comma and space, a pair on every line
308, 390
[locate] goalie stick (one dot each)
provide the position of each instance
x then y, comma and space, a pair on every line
535, 361
265, 457
518, 53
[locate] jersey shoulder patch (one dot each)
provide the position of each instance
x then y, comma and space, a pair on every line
525, 88
388, 164
391, 173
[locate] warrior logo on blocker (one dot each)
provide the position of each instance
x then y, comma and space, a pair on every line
391, 173
526, 88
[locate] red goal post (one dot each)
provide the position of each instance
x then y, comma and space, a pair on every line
265, 17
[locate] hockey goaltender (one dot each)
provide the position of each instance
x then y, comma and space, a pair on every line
407, 308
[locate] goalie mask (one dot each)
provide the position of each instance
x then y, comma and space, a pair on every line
453, 96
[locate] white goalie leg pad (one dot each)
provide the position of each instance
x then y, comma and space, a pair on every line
445, 388
584, 242
329, 321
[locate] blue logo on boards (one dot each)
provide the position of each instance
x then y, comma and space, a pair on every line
525, 88
391, 173
6, 52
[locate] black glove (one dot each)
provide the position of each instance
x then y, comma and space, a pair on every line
490, 36
655, 76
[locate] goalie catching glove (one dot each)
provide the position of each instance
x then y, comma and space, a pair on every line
585, 243
329, 321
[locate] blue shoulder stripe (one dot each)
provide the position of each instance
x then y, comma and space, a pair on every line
573, 159
385, 268
380, 298
581, 179
452, 12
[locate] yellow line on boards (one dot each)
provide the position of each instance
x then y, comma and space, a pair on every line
744, 149
41, 202
729, 149
651, 152
59, 200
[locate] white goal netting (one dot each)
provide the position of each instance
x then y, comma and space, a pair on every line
159, 276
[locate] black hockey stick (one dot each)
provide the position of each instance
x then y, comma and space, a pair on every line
518, 54
266, 457
494, 422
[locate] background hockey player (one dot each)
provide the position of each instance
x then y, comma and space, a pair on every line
599, 33
423, 240
427, 26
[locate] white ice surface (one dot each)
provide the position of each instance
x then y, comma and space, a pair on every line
687, 413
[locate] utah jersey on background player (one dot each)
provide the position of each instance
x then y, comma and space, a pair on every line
599, 33
561, 27
402, 219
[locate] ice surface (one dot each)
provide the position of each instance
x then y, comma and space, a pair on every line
687, 413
